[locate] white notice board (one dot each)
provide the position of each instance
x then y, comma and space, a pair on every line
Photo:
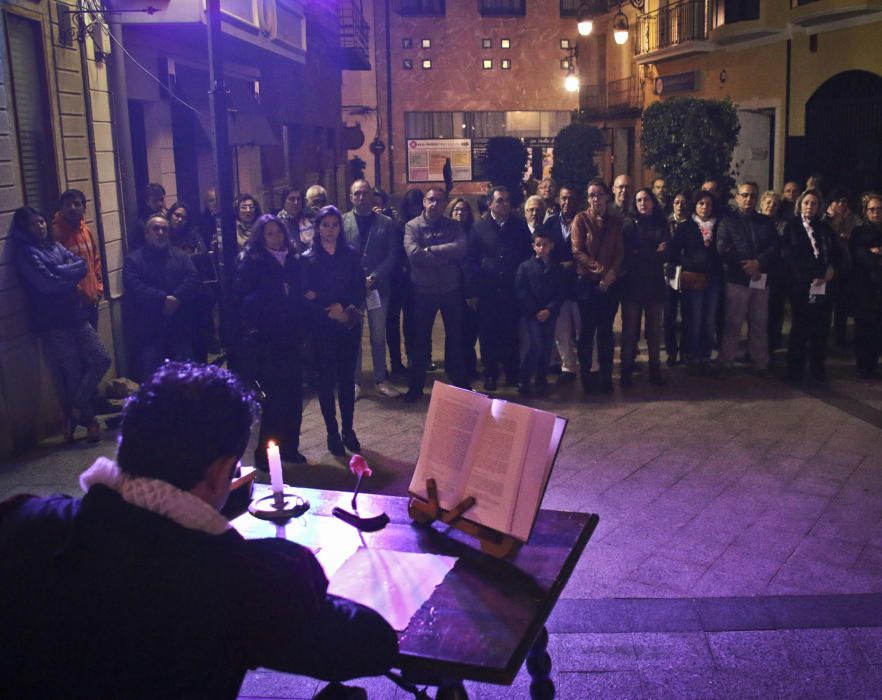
426, 157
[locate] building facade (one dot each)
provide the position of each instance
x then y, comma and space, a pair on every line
803, 74
105, 98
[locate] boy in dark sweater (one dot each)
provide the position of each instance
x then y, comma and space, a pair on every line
539, 285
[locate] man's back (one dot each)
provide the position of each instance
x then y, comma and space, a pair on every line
103, 598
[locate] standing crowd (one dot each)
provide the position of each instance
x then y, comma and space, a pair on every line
535, 293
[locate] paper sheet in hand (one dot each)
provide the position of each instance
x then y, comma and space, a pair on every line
395, 584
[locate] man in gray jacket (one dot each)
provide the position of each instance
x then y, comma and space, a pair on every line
436, 247
373, 235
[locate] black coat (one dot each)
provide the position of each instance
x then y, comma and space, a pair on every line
274, 310
150, 275
493, 256
867, 267
643, 272
335, 279
49, 273
539, 286
746, 237
803, 266
688, 249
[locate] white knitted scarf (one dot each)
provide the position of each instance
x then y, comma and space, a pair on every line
807, 223
157, 496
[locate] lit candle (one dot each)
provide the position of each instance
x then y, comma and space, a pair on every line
275, 469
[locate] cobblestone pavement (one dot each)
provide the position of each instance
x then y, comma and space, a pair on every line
739, 551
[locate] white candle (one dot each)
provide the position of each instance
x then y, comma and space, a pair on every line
275, 467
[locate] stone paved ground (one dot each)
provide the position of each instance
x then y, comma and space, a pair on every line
739, 551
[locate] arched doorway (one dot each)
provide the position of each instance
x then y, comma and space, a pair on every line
843, 129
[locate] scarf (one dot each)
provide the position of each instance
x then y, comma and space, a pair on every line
807, 224
159, 497
706, 228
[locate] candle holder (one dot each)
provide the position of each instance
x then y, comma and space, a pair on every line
279, 506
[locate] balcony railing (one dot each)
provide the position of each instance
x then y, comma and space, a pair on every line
354, 37
611, 98
624, 94
419, 8
673, 25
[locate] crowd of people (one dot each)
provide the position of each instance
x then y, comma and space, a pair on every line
537, 292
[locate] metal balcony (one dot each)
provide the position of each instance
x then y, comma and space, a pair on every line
677, 29
354, 37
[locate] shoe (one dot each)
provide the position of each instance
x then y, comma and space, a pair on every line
335, 445
412, 396
67, 429
566, 378
399, 369
350, 441
93, 431
357, 392
672, 360
490, 384
293, 456
387, 390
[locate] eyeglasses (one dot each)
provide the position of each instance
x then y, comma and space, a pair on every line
747, 195
873, 210
435, 200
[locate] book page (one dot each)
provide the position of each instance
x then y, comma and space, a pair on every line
498, 464
548, 430
450, 437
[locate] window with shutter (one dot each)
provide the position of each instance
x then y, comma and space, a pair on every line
30, 100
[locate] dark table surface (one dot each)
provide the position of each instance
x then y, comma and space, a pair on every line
481, 621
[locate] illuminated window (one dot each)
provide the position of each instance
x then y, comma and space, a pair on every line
505, 43
426, 43
505, 64
487, 64
565, 44
564, 64
427, 64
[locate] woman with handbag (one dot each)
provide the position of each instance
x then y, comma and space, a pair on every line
335, 288
694, 250
812, 255
646, 238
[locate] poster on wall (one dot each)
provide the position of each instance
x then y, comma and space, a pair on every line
426, 158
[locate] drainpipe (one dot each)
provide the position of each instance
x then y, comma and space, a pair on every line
391, 141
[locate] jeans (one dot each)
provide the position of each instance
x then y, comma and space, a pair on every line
675, 335
700, 315
597, 310
752, 305
631, 312
537, 337
337, 351
566, 330
376, 320
426, 307
78, 361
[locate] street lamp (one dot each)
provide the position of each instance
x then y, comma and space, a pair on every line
620, 21
571, 82
583, 20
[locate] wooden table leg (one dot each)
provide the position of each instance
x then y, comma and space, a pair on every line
539, 667
454, 690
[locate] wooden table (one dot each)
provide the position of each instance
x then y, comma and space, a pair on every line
487, 616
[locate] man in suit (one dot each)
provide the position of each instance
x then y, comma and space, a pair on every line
373, 235
498, 244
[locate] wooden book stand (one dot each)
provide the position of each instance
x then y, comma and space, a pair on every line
493, 542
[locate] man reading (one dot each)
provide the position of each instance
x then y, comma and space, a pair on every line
142, 589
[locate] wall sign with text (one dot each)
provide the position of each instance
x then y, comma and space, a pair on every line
426, 158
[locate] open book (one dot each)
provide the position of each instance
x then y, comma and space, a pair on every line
498, 452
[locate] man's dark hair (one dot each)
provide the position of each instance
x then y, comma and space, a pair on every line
71, 194
497, 188
542, 232
183, 419
153, 189
597, 182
